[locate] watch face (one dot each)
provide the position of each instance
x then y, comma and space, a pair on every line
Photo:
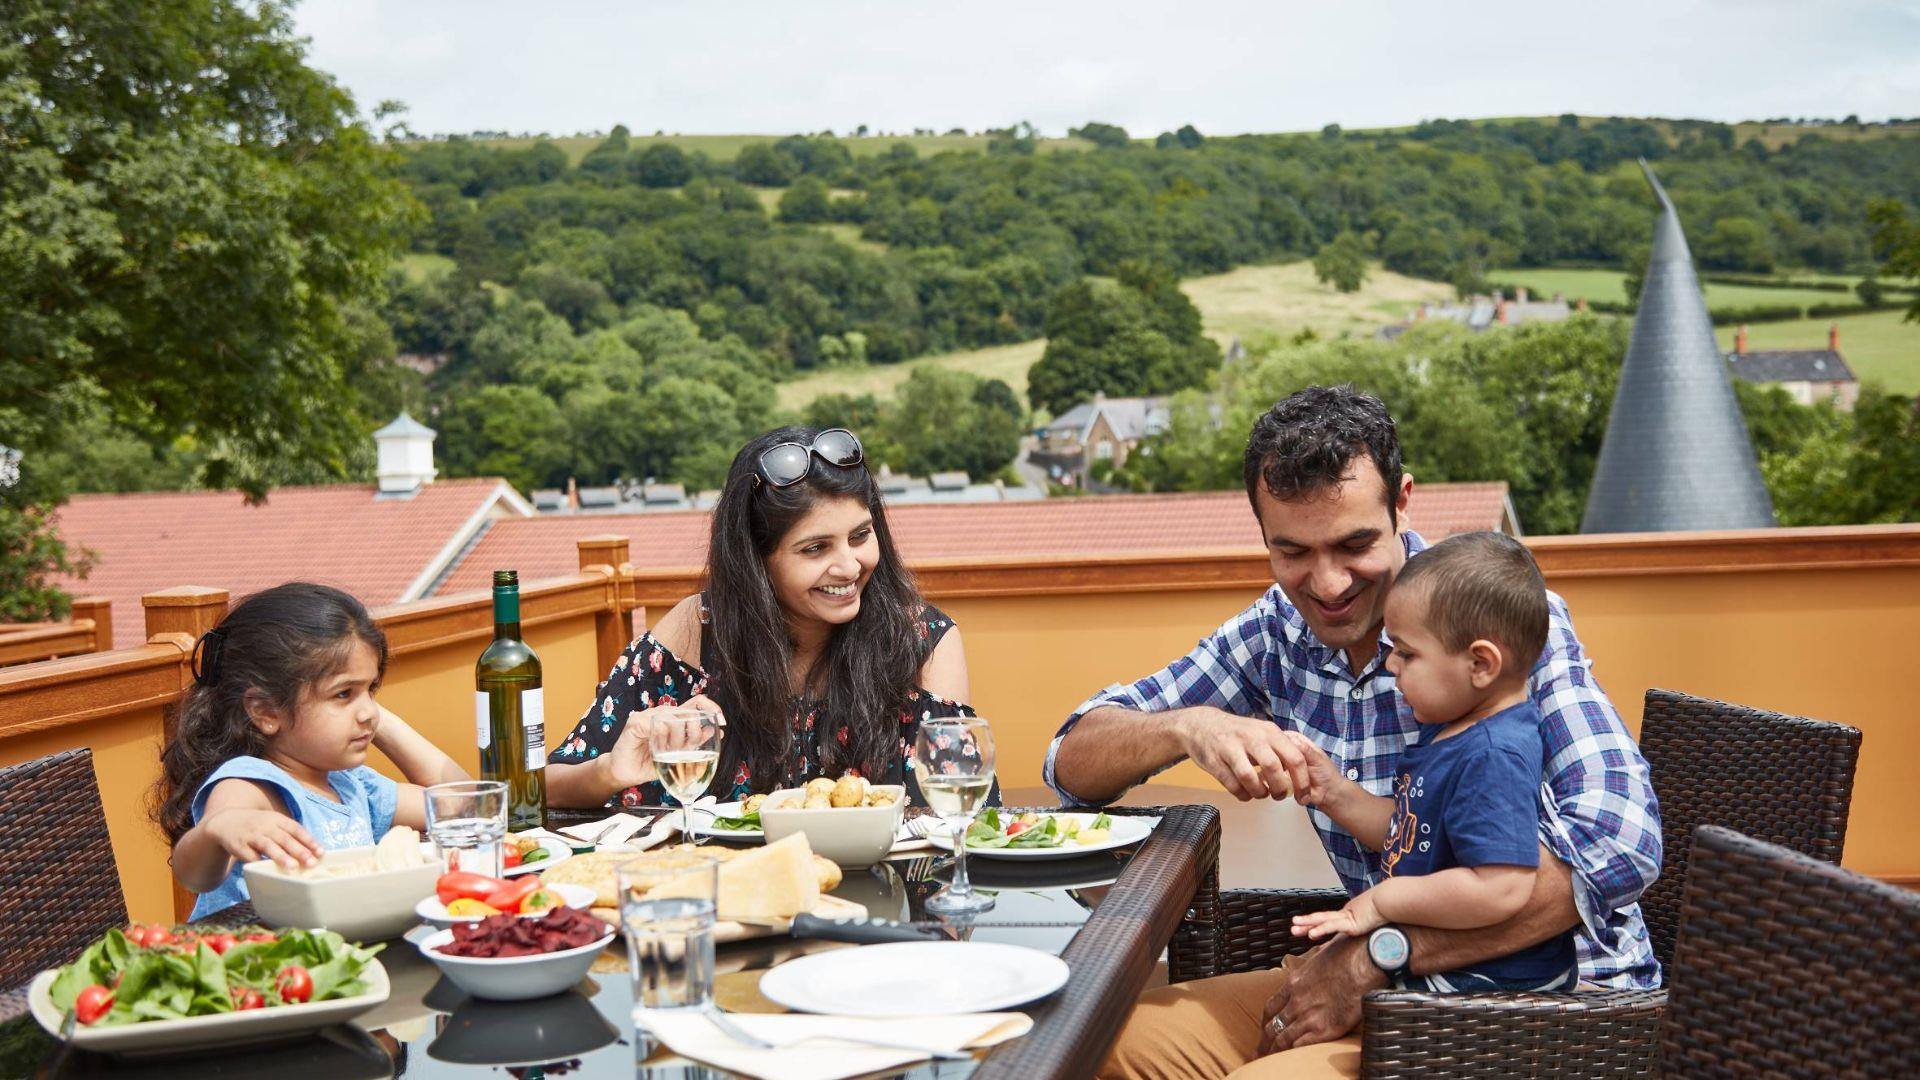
1388, 948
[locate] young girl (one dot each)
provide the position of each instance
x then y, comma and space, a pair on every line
268, 758
809, 638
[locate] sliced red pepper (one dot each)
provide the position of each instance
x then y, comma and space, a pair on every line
508, 897
453, 886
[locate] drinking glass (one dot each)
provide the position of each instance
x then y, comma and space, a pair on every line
686, 750
670, 939
466, 820
953, 761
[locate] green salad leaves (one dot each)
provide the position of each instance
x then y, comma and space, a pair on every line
190, 978
1029, 830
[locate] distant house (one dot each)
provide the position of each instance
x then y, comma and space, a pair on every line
1807, 375
1104, 429
1485, 312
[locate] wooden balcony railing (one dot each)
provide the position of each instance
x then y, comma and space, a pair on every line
1811, 621
88, 629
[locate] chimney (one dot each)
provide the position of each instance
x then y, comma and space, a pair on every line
1503, 311
1833, 337
1099, 396
1740, 341
1581, 304
1521, 294
405, 453
573, 493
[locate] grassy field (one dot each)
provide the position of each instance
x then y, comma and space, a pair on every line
1606, 285
1008, 363
1243, 303
727, 147
1878, 345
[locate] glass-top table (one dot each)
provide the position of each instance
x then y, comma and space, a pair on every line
1108, 915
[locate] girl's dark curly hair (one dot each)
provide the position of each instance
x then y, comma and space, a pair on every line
272, 647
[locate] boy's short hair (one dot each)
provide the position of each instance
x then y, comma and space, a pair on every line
1482, 585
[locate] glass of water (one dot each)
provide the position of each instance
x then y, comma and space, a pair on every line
670, 939
686, 750
953, 761
466, 820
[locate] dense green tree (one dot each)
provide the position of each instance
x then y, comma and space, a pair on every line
806, 202
1896, 241
940, 424
1737, 243
193, 217
514, 432
662, 165
1117, 340
608, 160
1110, 135
760, 163
1342, 263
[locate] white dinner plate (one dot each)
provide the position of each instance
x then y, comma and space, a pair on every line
220, 1029
915, 978
432, 911
558, 851
1125, 830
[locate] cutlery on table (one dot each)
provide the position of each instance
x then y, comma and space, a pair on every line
741, 1035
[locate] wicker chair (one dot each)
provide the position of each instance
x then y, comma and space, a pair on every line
1787, 966
1705, 757
58, 875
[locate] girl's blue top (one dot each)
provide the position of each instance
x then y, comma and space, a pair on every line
363, 814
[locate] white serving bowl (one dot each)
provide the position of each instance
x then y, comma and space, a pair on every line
853, 836
372, 906
513, 978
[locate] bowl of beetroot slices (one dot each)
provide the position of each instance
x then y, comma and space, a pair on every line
511, 958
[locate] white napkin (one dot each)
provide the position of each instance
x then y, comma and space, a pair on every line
691, 1035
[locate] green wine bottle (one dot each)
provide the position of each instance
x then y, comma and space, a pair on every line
509, 713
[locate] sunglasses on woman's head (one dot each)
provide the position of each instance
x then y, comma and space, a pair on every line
786, 464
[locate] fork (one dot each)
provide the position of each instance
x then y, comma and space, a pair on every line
741, 1035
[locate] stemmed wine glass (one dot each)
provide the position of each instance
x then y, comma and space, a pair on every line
686, 749
953, 761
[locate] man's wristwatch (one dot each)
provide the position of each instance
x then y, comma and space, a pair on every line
1390, 951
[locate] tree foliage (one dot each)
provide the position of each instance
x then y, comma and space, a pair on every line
1138, 336
1342, 263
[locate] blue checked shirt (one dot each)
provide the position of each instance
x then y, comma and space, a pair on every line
1597, 810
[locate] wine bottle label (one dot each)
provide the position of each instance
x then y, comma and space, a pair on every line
482, 719
533, 714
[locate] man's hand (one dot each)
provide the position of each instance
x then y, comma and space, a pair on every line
1252, 759
1320, 1001
1360, 916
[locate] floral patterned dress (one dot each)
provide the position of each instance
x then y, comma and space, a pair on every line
649, 674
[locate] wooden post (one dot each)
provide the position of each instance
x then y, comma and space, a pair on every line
100, 610
179, 616
613, 627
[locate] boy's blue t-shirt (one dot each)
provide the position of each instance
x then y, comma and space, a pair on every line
363, 814
1471, 800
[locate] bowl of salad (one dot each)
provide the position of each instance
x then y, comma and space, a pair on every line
155, 989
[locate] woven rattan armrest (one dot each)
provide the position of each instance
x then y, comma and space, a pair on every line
1256, 925
1604, 1033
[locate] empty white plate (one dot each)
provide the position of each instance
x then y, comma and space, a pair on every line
915, 978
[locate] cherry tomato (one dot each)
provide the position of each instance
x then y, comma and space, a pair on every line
245, 998
260, 936
1017, 828
459, 883
220, 943
511, 859
136, 934
92, 1003
294, 983
508, 896
158, 935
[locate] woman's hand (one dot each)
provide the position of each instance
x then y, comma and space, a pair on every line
247, 835
631, 759
1360, 916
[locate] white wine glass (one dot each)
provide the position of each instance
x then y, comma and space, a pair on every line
686, 749
953, 762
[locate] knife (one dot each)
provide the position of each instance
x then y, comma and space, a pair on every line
882, 931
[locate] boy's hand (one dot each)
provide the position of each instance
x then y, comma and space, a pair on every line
1323, 778
248, 835
1360, 916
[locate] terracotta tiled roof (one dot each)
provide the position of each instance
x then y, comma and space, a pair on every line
544, 547
337, 534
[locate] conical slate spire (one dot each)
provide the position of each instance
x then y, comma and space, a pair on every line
1676, 455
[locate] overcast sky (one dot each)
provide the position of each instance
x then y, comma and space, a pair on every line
777, 66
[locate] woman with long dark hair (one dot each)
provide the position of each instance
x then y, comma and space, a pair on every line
809, 638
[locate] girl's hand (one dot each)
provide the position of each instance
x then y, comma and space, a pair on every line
1360, 916
248, 835
1323, 776
632, 753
